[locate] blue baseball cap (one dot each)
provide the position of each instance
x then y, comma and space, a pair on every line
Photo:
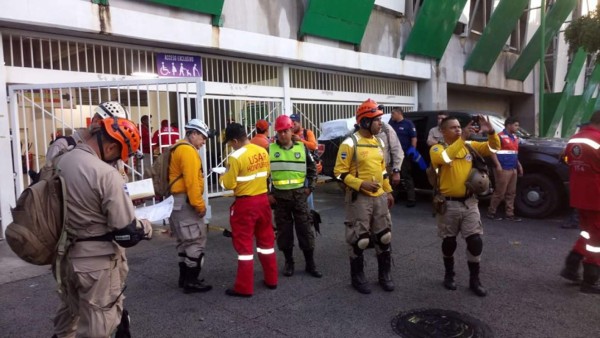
295, 117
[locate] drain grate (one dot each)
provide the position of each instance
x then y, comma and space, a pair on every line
439, 323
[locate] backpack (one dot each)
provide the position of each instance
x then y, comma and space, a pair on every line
159, 172
38, 218
70, 140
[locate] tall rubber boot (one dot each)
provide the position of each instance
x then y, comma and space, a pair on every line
384, 266
571, 268
359, 282
474, 283
182, 270
310, 264
449, 275
591, 274
288, 268
191, 284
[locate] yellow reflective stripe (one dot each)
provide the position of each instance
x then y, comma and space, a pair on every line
266, 251
251, 177
506, 152
245, 257
445, 157
282, 182
590, 248
585, 234
587, 141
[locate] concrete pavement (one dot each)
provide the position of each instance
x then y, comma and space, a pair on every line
520, 268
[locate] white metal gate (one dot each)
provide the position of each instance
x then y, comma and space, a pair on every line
40, 113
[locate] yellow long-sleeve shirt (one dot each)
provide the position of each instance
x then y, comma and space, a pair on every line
455, 163
186, 160
370, 161
247, 171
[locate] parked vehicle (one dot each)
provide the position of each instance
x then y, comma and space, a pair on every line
542, 190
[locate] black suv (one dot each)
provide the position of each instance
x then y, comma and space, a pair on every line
543, 188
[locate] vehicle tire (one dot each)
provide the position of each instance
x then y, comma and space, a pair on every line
537, 196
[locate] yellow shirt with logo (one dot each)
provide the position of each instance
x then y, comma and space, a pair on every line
454, 163
247, 171
368, 162
186, 160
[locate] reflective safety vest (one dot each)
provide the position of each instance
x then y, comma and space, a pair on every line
288, 166
508, 155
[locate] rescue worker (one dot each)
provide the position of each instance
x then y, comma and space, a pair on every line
360, 165
187, 219
508, 167
407, 134
146, 148
293, 178
165, 137
453, 162
250, 214
306, 136
583, 157
435, 134
101, 220
394, 155
261, 138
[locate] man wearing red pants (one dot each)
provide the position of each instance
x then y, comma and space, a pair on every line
583, 157
250, 214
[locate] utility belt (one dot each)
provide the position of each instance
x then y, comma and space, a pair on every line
108, 237
458, 199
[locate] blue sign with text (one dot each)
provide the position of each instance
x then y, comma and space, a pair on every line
177, 65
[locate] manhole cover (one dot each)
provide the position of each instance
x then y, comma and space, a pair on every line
440, 324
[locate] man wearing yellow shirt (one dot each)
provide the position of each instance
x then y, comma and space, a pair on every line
454, 162
360, 164
187, 219
250, 214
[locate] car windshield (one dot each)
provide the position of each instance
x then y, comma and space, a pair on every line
498, 124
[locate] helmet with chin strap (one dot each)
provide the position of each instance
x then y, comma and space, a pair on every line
111, 109
125, 132
199, 126
366, 112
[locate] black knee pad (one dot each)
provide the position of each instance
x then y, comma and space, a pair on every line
384, 239
361, 244
475, 245
449, 246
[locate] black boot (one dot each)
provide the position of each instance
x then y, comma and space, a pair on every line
310, 264
449, 275
191, 283
288, 268
384, 266
474, 283
571, 269
359, 282
182, 270
591, 274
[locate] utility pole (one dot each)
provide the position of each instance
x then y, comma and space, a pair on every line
541, 128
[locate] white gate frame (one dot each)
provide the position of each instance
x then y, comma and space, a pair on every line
190, 86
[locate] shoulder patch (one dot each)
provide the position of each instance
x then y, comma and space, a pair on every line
435, 149
343, 155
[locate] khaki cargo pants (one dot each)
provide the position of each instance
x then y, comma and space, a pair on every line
189, 229
366, 214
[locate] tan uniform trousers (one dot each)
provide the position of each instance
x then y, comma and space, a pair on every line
92, 300
460, 217
189, 229
366, 214
505, 188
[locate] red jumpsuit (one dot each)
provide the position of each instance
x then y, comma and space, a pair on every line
250, 215
583, 157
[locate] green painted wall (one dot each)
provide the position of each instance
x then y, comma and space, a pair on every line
213, 7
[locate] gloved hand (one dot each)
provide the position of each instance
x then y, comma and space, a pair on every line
411, 152
146, 226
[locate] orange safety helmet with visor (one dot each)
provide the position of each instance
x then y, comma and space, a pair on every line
366, 112
125, 132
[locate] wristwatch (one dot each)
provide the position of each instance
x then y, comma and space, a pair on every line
395, 170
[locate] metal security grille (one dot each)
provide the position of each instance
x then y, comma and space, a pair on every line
40, 113
219, 112
240, 72
330, 81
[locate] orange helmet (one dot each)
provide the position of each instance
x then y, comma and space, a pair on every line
283, 122
125, 132
368, 109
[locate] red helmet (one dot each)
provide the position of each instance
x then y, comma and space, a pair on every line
125, 132
368, 109
283, 122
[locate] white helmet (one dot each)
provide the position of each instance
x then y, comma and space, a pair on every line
111, 109
200, 127
478, 182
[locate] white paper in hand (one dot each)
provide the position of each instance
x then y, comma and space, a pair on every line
156, 213
219, 170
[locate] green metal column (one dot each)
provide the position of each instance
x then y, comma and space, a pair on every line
501, 25
572, 76
530, 55
433, 28
585, 107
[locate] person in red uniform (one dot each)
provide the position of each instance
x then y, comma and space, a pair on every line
165, 137
250, 215
583, 157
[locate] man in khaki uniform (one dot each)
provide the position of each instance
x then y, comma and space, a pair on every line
187, 219
101, 218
